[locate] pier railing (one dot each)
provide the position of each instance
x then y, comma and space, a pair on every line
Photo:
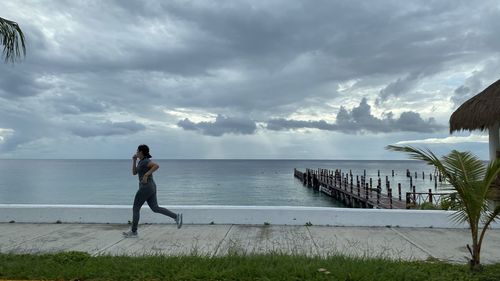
414, 200
365, 193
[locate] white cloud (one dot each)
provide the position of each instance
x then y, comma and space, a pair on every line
5, 133
193, 115
449, 140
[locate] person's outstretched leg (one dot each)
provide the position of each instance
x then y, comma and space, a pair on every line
153, 204
140, 197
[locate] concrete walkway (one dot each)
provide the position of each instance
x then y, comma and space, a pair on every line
216, 240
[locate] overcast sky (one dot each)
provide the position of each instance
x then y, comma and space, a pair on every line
245, 79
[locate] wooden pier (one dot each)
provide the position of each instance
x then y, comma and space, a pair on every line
362, 193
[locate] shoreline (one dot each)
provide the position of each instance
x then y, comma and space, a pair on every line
237, 215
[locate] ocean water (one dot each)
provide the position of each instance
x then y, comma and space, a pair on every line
187, 182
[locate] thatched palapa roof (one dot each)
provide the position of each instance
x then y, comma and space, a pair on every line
479, 112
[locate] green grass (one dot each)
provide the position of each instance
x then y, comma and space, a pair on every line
80, 266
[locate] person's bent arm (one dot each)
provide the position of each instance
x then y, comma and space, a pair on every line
152, 168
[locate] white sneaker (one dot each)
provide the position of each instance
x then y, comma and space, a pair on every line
130, 234
178, 220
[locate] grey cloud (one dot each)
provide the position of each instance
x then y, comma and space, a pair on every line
477, 82
360, 119
284, 124
222, 125
472, 86
188, 125
261, 41
75, 104
399, 87
347, 50
460, 95
248, 33
28, 125
18, 82
412, 122
107, 129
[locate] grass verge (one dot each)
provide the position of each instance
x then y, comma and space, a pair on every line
81, 266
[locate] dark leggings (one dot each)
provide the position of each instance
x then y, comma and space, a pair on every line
147, 193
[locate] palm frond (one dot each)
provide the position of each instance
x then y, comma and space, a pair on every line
420, 154
464, 166
12, 39
460, 215
472, 204
493, 216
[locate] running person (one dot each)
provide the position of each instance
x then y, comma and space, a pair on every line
147, 189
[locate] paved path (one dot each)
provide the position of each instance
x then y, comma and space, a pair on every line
217, 240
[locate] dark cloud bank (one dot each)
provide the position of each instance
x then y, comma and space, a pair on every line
357, 120
222, 125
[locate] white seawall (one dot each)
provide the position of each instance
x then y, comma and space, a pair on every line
253, 215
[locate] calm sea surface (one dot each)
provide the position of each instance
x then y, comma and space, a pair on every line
186, 182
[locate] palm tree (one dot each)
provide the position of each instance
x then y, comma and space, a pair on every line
10, 37
472, 180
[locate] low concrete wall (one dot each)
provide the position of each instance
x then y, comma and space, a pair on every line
257, 215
